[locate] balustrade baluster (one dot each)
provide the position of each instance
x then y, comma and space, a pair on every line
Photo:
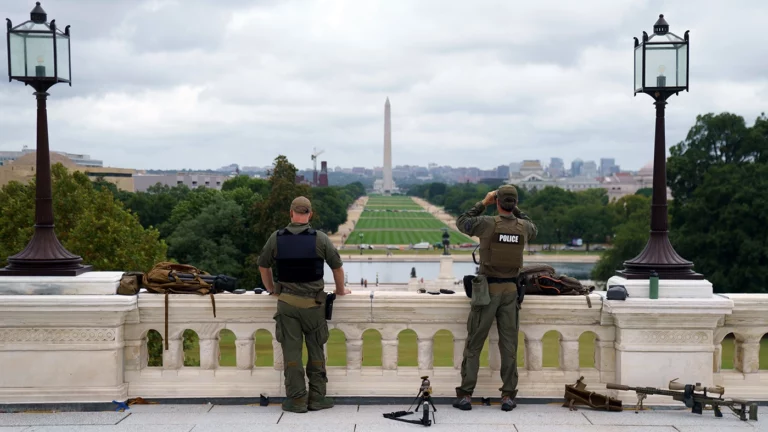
209, 353
173, 357
245, 353
494, 356
533, 354
354, 353
277, 354
569, 354
747, 355
425, 353
458, 352
389, 354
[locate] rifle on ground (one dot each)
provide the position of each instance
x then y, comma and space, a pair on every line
687, 393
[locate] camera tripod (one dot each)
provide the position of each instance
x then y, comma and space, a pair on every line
424, 400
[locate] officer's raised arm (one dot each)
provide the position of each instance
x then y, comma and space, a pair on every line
470, 222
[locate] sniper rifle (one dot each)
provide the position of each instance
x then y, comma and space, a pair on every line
687, 393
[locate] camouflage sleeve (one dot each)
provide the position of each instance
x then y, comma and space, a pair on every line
267, 257
331, 254
532, 230
473, 223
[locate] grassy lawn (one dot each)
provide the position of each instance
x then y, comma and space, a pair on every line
404, 237
396, 215
399, 223
436, 252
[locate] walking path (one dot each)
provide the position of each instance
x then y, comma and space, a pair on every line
353, 214
440, 214
369, 418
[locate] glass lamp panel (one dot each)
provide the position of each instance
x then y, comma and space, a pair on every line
639, 67
39, 55
62, 56
17, 55
682, 65
661, 65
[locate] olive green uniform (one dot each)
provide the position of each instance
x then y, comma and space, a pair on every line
504, 305
301, 314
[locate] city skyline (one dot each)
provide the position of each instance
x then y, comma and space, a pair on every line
472, 83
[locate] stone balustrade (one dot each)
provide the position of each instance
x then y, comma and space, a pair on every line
67, 348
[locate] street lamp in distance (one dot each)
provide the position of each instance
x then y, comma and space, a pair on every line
661, 70
361, 243
39, 56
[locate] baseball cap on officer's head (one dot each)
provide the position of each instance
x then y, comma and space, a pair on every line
301, 205
507, 194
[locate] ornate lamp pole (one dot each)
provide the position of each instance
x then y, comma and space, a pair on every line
39, 56
661, 70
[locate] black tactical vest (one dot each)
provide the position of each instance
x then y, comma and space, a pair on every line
297, 259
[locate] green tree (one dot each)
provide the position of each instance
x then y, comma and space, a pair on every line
89, 223
631, 236
723, 228
211, 240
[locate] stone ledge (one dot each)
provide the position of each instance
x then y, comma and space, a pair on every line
90, 283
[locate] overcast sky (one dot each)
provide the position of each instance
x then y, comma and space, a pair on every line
201, 84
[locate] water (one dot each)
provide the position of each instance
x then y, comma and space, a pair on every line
400, 272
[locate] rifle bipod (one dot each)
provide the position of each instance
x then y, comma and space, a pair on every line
424, 401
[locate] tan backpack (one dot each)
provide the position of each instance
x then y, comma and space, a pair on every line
170, 278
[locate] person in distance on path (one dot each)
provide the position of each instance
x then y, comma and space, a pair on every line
300, 253
502, 243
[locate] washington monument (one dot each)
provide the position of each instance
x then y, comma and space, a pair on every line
387, 186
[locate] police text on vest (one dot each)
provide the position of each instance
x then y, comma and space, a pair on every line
509, 238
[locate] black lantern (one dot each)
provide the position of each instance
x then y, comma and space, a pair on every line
38, 56
38, 52
661, 61
661, 70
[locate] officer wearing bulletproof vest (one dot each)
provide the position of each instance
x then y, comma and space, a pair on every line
300, 253
502, 243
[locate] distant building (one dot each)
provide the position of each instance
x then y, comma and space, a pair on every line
514, 168
589, 170
323, 180
22, 169
556, 167
502, 171
576, 167
531, 167
77, 159
193, 181
606, 166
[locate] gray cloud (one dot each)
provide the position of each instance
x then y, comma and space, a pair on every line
201, 84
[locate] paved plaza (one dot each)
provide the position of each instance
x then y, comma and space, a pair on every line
368, 418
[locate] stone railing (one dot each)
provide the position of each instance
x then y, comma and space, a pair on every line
746, 326
93, 348
388, 313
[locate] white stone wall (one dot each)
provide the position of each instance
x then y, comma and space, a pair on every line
92, 348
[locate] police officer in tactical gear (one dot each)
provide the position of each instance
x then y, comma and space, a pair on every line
300, 253
502, 243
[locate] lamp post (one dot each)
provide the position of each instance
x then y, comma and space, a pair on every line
39, 56
361, 243
661, 70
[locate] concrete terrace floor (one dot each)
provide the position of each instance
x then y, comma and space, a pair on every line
368, 418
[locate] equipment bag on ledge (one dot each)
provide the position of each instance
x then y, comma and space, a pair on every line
540, 279
169, 278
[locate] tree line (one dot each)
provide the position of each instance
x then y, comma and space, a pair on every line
718, 212
216, 231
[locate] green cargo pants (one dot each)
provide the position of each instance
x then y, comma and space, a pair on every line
293, 324
504, 308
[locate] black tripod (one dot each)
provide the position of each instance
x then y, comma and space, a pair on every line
424, 400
